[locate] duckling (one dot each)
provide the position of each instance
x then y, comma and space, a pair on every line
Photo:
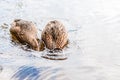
25, 32
55, 36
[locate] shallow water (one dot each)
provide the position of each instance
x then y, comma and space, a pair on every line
93, 52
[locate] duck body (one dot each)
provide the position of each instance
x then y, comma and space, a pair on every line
24, 32
54, 35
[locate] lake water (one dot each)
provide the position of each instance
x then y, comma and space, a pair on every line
94, 33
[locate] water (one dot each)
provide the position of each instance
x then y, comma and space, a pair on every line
93, 52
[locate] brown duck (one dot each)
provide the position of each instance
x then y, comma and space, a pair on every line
54, 35
25, 32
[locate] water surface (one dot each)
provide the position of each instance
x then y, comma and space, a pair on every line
94, 50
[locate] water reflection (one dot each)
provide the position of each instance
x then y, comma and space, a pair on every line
1, 68
41, 73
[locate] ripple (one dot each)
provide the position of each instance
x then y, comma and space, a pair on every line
41, 73
1, 68
55, 55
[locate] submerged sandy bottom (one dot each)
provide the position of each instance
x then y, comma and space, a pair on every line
94, 33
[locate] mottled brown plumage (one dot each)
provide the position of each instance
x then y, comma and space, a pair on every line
55, 35
25, 32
